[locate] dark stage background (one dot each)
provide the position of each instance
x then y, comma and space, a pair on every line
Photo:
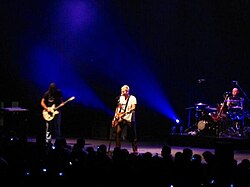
194, 50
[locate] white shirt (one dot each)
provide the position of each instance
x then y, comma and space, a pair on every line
131, 101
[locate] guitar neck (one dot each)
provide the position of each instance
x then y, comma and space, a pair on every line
59, 106
70, 99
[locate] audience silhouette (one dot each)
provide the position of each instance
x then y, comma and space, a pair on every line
28, 163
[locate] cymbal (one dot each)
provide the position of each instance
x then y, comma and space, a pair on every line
211, 108
236, 107
228, 100
190, 108
200, 104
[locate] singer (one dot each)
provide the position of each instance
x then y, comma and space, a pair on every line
125, 116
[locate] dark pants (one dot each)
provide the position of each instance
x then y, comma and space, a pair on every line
131, 134
53, 128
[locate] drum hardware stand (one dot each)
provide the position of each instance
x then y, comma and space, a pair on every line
189, 116
190, 127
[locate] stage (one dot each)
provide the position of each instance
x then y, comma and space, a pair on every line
208, 141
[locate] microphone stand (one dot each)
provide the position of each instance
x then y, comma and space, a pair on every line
189, 115
245, 95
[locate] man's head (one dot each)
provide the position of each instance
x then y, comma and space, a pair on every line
235, 91
52, 87
125, 90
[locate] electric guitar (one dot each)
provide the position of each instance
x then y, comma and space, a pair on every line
119, 117
53, 110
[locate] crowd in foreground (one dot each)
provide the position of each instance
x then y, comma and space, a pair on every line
40, 163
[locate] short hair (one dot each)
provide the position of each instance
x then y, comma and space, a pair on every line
126, 87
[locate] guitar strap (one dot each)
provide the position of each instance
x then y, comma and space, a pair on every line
126, 104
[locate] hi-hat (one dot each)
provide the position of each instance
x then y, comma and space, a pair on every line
200, 104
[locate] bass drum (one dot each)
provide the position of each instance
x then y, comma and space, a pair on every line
206, 126
202, 125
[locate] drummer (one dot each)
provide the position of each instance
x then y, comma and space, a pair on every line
234, 102
236, 113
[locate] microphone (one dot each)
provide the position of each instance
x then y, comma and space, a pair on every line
227, 93
201, 80
235, 82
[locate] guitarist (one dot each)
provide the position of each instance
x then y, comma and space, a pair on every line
52, 97
125, 116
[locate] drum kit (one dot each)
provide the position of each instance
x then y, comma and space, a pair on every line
216, 120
